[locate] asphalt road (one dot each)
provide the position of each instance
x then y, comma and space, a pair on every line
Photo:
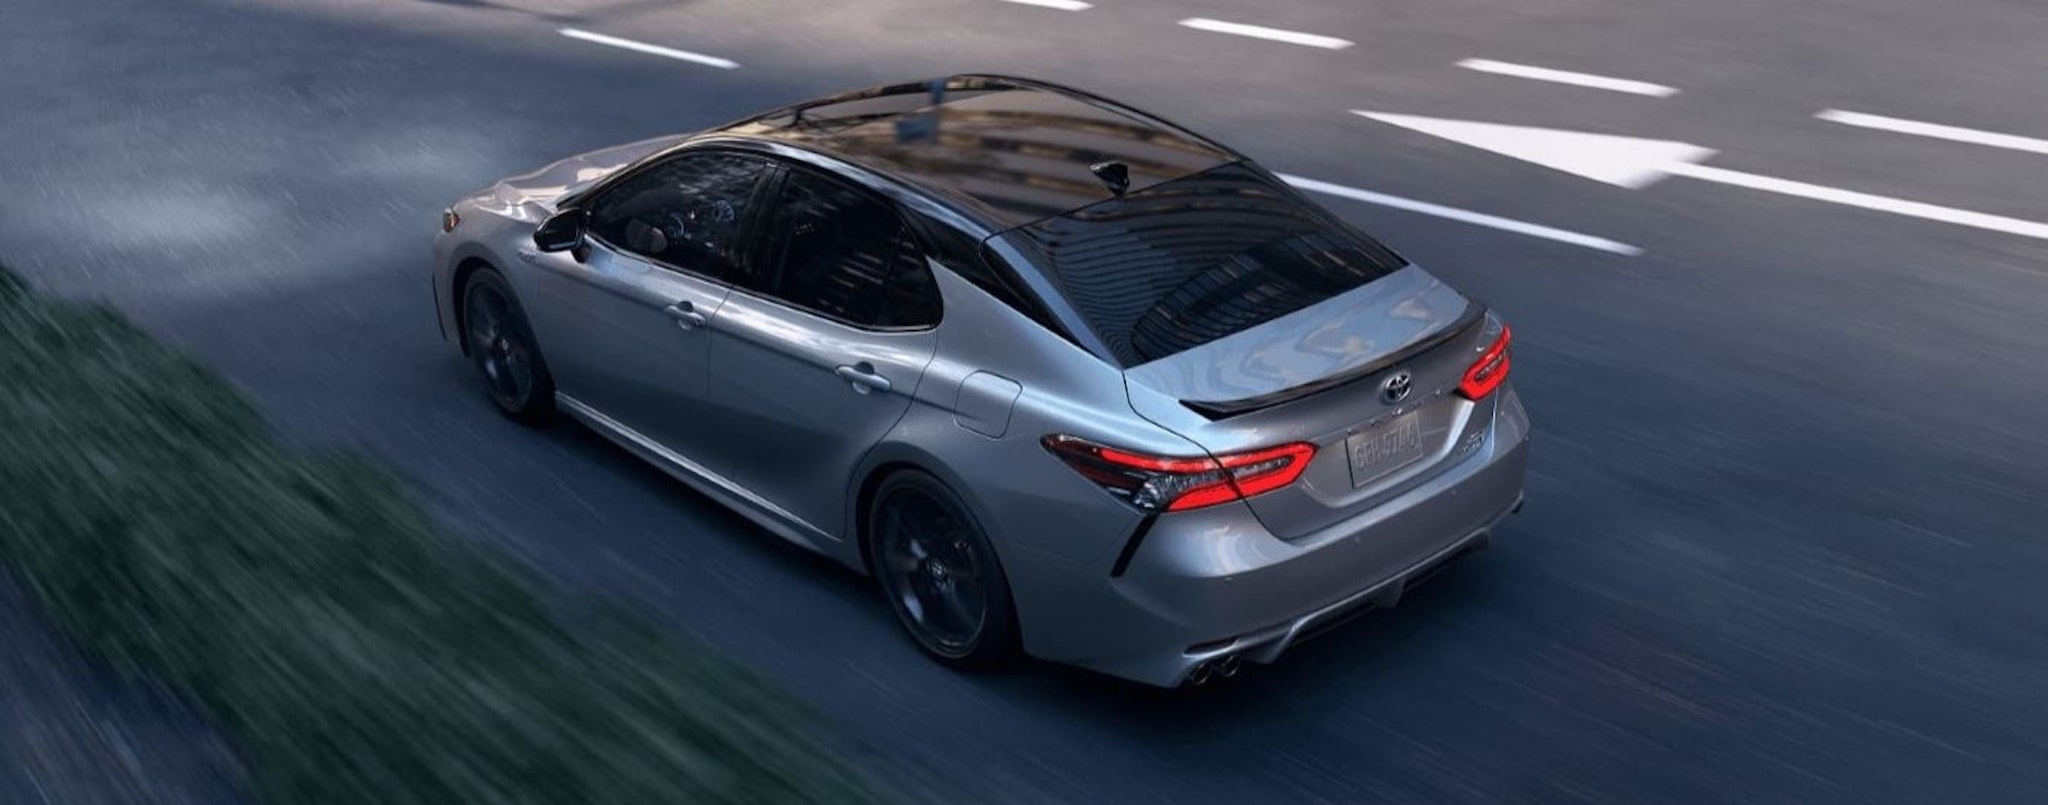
1782, 543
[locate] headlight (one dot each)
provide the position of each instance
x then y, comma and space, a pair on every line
449, 220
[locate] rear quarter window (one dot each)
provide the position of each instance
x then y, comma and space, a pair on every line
1196, 259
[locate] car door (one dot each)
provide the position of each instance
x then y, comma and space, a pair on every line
818, 350
628, 326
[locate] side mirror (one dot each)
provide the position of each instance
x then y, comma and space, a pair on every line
562, 232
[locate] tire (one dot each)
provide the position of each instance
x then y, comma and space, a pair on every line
940, 574
503, 349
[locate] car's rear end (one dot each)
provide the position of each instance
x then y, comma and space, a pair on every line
1358, 424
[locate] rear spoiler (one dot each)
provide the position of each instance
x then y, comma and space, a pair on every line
1473, 317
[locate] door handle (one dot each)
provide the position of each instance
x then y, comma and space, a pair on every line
685, 314
862, 376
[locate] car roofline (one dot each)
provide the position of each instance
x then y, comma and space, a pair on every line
943, 204
937, 204
989, 218
984, 219
1020, 81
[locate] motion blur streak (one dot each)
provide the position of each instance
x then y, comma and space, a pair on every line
1784, 543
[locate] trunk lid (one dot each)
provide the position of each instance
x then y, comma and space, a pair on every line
1321, 375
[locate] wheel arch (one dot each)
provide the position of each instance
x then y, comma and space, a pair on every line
890, 458
864, 499
459, 280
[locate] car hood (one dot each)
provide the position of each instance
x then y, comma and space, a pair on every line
550, 184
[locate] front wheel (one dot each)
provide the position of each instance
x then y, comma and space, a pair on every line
502, 346
940, 573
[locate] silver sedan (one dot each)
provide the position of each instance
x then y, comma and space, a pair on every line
1066, 379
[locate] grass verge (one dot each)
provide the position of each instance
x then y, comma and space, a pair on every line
308, 605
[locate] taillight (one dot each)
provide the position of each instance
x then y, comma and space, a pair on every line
1160, 483
1486, 374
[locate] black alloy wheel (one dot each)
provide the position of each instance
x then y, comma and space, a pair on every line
503, 349
940, 573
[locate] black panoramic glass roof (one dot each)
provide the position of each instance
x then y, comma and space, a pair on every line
1017, 151
1189, 261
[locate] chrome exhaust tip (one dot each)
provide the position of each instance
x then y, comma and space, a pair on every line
1208, 671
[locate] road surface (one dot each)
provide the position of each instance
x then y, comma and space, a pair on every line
1783, 537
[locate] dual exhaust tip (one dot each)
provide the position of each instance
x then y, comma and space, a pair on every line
1211, 670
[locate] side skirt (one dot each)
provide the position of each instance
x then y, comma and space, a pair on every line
749, 505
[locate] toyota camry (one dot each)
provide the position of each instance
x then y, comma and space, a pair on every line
1066, 379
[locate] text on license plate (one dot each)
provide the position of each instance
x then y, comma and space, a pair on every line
1384, 449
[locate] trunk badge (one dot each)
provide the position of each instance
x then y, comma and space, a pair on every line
1397, 386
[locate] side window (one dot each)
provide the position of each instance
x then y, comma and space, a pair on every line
845, 254
685, 212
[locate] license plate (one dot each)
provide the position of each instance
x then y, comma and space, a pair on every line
1384, 449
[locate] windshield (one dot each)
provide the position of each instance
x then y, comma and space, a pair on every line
1196, 259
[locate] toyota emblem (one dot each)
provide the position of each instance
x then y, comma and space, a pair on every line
1397, 386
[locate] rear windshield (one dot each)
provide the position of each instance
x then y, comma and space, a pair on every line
1189, 261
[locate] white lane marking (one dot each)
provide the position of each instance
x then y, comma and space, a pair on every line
1636, 163
1569, 77
1464, 216
1631, 162
1063, 5
1262, 32
643, 47
1936, 130
1896, 206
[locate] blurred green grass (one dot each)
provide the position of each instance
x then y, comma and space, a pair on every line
307, 604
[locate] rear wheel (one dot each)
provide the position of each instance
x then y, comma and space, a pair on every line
940, 573
502, 346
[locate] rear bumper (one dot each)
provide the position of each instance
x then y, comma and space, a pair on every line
1266, 645
1202, 588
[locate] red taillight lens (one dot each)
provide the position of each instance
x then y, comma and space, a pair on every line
1160, 483
1487, 373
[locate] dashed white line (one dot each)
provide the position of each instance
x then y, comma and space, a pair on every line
1936, 131
1569, 77
1063, 5
1262, 32
1896, 206
657, 50
1464, 216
